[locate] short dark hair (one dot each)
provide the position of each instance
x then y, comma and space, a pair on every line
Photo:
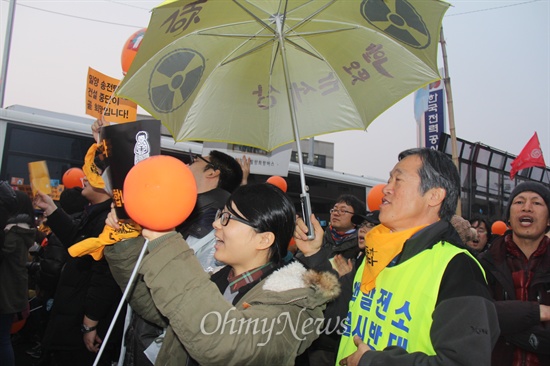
437, 171
479, 220
359, 207
231, 174
72, 201
276, 214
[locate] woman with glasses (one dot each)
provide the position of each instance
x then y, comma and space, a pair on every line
257, 310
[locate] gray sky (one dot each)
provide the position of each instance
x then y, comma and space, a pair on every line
498, 56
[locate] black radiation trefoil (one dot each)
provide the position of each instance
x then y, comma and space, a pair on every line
174, 79
398, 19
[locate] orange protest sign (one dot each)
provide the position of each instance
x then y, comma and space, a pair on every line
39, 177
100, 102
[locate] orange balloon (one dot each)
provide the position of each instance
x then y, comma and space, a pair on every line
73, 178
17, 326
130, 49
499, 227
292, 242
278, 182
159, 192
374, 197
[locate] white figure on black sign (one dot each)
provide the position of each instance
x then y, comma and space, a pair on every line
142, 149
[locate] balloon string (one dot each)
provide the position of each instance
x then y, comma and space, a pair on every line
121, 303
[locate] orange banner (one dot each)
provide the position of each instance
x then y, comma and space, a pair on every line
100, 102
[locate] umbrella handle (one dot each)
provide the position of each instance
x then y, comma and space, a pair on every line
306, 213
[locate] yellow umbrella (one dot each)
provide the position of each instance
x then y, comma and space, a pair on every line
265, 73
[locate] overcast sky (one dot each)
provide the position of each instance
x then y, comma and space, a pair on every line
498, 56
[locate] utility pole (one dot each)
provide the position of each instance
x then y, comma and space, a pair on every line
6, 55
450, 113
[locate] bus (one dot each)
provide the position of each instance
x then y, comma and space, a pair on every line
29, 134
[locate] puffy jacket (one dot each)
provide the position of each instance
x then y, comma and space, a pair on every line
14, 298
140, 333
277, 317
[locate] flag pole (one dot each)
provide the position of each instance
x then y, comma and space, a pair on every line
450, 112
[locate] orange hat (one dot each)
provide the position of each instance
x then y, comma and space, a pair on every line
90, 168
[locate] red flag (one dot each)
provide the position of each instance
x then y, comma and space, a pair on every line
531, 155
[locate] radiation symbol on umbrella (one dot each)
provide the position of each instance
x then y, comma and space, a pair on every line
398, 19
174, 78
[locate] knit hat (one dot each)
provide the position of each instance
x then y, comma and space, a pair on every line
371, 216
536, 187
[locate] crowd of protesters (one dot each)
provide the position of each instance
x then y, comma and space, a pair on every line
408, 283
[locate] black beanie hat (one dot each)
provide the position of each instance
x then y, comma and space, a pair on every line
536, 187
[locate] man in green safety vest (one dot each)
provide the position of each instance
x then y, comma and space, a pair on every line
418, 297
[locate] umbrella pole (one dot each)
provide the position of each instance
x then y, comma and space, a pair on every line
304, 196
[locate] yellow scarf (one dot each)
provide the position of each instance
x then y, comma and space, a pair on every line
109, 236
382, 246
90, 168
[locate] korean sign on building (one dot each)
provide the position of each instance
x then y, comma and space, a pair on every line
430, 114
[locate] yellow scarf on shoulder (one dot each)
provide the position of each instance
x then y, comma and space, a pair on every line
109, 236
382, 245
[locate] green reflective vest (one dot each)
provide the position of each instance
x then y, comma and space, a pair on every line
398, 311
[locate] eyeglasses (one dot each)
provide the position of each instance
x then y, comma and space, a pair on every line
481, 231
367, 224
199, 157
340, 211
224, 218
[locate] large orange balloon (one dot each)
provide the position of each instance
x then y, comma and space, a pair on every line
278, 182
130, 49
374, 197
159, 192
499, 227
73, 178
